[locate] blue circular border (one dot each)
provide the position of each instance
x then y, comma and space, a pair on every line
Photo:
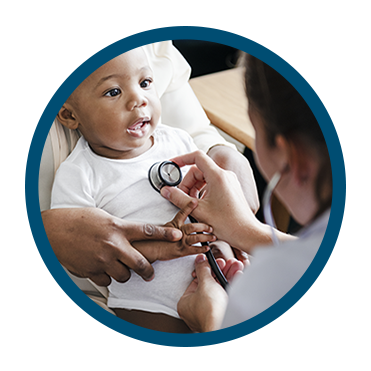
190, 33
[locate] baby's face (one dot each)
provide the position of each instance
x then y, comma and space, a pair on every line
117, 106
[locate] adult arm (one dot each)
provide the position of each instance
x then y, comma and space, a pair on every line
93, 244
232, 160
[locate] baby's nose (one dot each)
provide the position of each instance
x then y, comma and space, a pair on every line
136, 100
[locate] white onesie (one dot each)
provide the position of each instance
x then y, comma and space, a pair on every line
121, 188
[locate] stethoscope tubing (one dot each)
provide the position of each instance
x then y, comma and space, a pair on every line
213, 264
269, 220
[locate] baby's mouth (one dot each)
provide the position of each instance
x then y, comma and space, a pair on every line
139, 128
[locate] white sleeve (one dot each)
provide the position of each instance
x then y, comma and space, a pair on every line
180, 106
272, 274
71, 188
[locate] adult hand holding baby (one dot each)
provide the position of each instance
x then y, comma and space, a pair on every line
102, 247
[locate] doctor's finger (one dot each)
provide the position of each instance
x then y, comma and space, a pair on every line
231, 269
211, 172
198, 158
242, 256
176, 196
193, 182
203, 271
183, 214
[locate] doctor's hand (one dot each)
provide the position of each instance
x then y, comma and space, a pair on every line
203, 304
222, 205
93, 244
221, 249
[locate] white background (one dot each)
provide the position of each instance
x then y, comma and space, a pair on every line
328, 42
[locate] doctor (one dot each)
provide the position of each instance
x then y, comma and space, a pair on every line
290, 149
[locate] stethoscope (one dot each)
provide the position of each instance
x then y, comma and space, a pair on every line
168, 173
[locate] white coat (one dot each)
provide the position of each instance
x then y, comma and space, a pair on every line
272, 273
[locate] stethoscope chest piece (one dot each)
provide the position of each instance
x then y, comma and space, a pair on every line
163, 174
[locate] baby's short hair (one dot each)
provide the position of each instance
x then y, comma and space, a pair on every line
61, 59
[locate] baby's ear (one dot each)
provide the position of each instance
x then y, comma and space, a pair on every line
67, 118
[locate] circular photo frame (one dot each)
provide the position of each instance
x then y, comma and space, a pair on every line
200, 34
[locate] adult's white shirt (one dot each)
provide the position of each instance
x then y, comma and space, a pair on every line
272, 273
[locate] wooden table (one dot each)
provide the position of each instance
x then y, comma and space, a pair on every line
223, 98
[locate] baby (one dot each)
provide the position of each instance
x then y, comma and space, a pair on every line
117, 111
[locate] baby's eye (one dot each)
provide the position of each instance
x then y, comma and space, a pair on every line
113, 92
146, 83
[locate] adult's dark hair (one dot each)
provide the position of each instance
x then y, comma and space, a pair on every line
284, 112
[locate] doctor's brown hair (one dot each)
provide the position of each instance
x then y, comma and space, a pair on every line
284, 112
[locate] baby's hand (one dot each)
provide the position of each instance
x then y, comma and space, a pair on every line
165, 250
193, 233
